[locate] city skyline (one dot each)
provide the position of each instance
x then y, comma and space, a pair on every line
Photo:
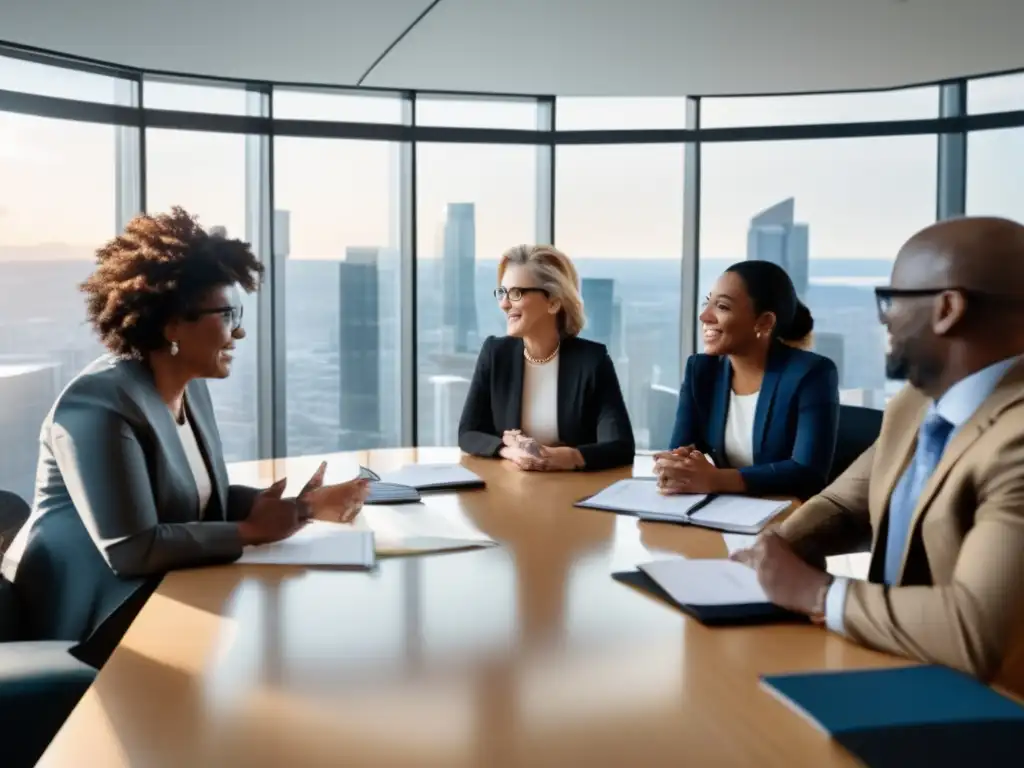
632, 192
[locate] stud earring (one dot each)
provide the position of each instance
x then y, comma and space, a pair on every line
174, 348
758, 334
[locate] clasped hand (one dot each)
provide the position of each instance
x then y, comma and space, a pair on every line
684, 470
529, 455
273, 518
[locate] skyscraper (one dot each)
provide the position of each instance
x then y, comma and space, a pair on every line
458, 287
359, 368
599, 306
774, 236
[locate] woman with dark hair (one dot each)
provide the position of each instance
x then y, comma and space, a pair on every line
756, 413
131, 480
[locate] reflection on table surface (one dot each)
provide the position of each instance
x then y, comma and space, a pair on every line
523, 655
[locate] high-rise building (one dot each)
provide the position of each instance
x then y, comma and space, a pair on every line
449, 398
359, 349
27, 392
774, 236
599, 305
832, 346
458, 287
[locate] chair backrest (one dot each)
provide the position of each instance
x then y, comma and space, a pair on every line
14, 511
661, 415
858, 429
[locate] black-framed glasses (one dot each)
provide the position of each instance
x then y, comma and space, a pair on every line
232, 315
884, 296
515, 293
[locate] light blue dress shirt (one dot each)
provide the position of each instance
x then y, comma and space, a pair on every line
956, 406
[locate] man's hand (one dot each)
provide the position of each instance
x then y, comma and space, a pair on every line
786, 579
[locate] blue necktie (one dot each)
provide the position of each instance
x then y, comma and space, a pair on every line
931, 442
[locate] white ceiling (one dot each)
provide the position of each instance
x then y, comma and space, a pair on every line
564, 47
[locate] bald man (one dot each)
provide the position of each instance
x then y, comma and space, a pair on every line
941, 492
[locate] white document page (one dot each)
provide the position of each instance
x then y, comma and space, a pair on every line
317, 544
706, 582
742, 514
734, 542
424, 476
641, 497
419, 528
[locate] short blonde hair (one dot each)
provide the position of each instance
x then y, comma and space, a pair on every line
556, 274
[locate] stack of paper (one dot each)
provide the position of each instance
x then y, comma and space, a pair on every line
418, 528
316, 544
706, 582
426, 477
641, 497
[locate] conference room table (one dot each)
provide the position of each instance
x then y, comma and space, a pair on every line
524, 654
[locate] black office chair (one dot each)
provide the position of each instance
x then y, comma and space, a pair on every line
40, 682
13, 514
858, 430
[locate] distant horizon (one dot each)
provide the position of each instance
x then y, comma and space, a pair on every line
89, 252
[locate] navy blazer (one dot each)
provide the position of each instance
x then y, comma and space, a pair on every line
795, 423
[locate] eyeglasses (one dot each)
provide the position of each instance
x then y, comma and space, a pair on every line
232, 315
884, 296
515, 293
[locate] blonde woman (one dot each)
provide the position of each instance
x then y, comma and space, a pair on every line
541, 397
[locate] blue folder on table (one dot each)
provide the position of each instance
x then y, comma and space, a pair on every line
924, 715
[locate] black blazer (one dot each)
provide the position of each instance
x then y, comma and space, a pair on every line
795, 424
591, 412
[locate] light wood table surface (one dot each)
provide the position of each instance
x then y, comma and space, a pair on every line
527, 654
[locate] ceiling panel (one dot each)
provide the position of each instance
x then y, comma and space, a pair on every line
563, 47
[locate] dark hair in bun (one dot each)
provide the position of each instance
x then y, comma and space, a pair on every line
771, 290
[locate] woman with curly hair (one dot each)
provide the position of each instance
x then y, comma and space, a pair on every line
131, 480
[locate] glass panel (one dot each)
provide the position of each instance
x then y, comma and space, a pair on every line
61, 82
995, 94
222, 98
994, 160
868, 106
57, 206
338, 227
475, 201
518, 114
205, 173
834, 213
619, 216
620, 113
296, 104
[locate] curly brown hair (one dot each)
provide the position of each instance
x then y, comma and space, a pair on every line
159, 269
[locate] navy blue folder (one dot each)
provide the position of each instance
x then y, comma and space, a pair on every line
923, 715
713, 615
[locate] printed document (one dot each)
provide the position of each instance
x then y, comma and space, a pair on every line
706, 582
316, 544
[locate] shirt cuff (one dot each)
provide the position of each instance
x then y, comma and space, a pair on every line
835, 604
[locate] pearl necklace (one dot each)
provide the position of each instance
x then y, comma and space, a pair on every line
535, 361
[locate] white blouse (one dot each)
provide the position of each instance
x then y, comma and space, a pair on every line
196, 463
739, 430
540, 401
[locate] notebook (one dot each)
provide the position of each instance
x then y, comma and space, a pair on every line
712, 591
921, 715
722, 512
418, 529
430, 477
317, 544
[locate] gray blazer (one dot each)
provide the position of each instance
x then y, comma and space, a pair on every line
116, 504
